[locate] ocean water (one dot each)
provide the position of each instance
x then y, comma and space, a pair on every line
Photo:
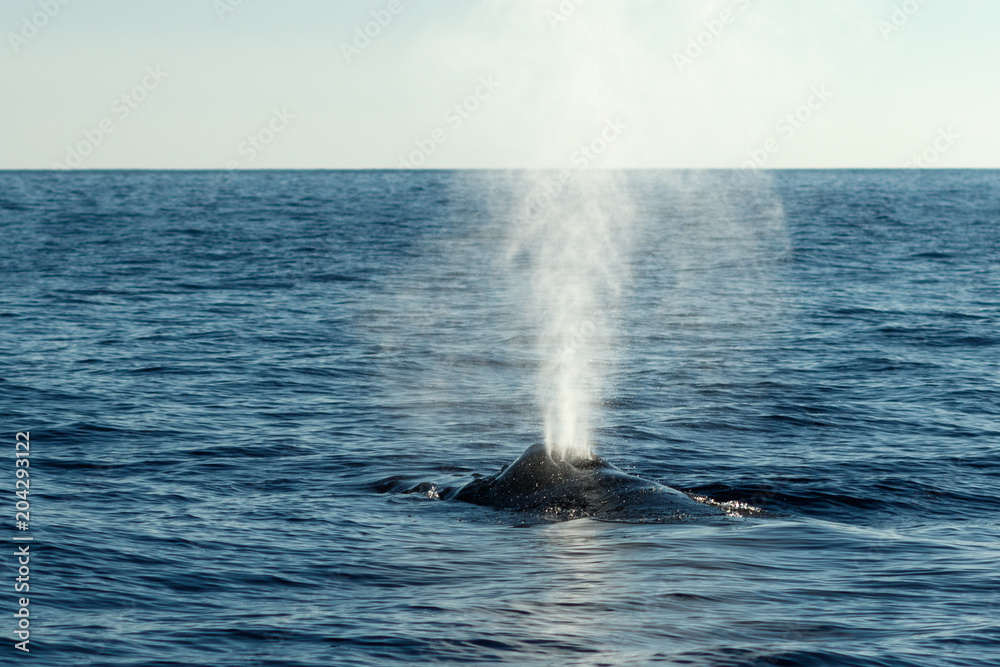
225, 375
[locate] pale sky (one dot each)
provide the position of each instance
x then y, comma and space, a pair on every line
215, 84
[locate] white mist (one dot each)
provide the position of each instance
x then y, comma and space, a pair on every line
569, 251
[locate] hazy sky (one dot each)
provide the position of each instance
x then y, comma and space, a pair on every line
643, 83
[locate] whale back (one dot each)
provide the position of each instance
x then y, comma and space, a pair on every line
585, 486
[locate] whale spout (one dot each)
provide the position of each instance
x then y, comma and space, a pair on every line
579, 486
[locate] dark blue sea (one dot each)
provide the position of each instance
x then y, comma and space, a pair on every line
227, 378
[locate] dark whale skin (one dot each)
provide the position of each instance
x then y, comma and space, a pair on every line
583, 486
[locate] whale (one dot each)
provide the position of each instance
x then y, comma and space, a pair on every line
579, 486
